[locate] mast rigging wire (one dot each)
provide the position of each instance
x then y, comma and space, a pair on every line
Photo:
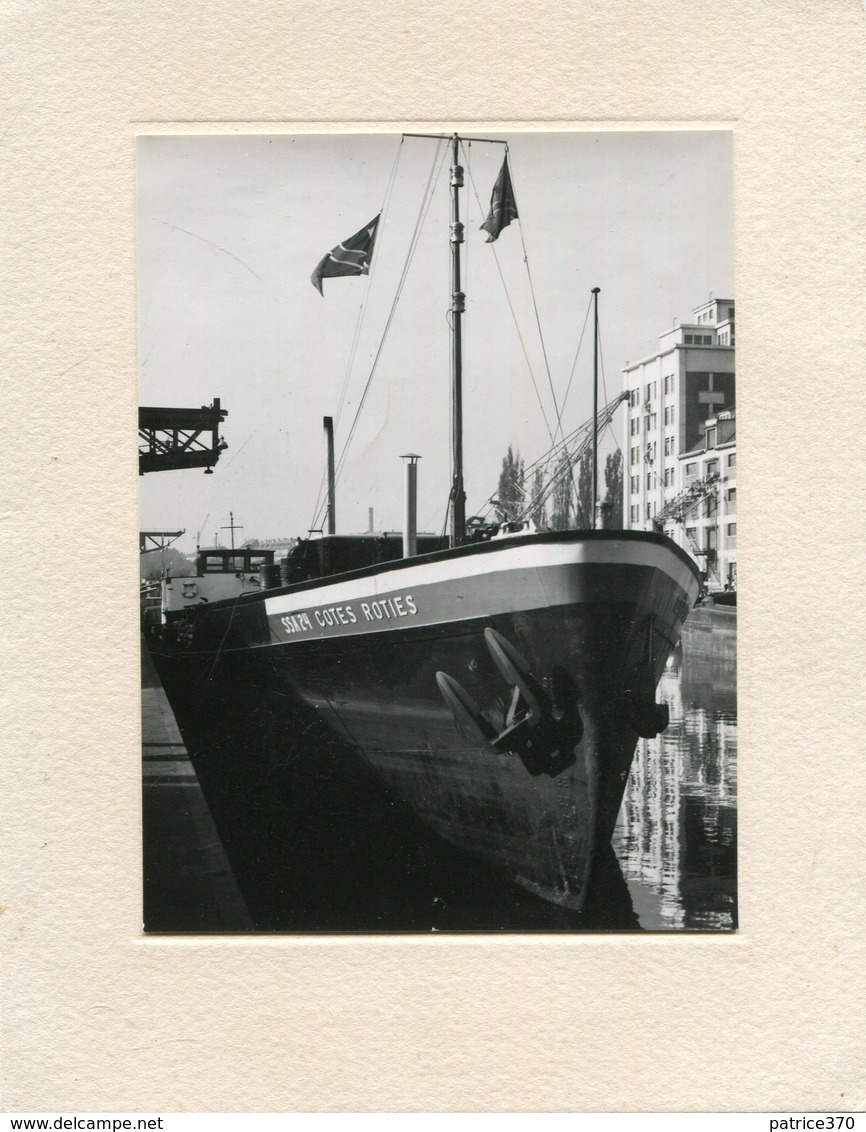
574, 446
577, 354
514, 316
424, 207
538, 322
386, 201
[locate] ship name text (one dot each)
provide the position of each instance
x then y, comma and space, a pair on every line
333, 616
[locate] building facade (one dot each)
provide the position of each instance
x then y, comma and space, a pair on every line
709, 471
680, 465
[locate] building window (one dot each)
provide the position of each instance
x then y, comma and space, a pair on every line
692, 534
635, 513
669, 415
649, 481
634, 398
635, 426
669, 476
669, 446
711, 437
635, 455
649, 510
669, 383
732, 530
712, 468
635, 484
732, 495
651, 452
691, 469
732, 460
712, 506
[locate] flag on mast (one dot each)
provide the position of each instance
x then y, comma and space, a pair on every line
503, 206
352, 257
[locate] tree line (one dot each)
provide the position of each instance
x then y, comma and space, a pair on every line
569, 505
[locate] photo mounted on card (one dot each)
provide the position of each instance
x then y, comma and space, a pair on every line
437, 443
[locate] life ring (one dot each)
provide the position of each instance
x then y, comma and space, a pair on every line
189, 591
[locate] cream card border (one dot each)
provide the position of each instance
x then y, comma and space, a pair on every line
97, 1018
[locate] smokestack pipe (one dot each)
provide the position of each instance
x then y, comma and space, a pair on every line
329, 438
410, 505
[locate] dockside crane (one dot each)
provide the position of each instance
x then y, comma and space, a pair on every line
682, 505
563, 457
170, 439
157, 540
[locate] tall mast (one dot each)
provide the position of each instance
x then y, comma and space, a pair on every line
594, 523
458, 306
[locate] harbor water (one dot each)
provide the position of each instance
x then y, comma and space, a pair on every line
676, 835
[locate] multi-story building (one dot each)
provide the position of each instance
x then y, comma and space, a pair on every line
709, 470
675, 395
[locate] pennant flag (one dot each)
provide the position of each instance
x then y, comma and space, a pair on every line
503, 206
352, 257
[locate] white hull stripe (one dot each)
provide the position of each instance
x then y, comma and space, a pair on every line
515, 579
537, 556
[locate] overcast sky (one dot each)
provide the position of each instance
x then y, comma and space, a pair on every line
230, 229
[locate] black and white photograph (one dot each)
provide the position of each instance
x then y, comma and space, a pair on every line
438, 532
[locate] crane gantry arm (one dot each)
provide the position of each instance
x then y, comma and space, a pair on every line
169, 439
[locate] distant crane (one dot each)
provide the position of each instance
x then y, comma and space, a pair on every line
156, 540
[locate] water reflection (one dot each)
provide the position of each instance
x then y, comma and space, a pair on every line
316, 845
676, 834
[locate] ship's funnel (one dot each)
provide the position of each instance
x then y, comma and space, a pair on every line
410, 505
332, 504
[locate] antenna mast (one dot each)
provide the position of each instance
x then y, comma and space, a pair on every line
458, 306
594, 522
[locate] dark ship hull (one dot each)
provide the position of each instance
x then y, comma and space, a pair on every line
498, 689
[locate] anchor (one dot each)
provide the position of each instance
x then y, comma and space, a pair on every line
639, 696
540, 728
